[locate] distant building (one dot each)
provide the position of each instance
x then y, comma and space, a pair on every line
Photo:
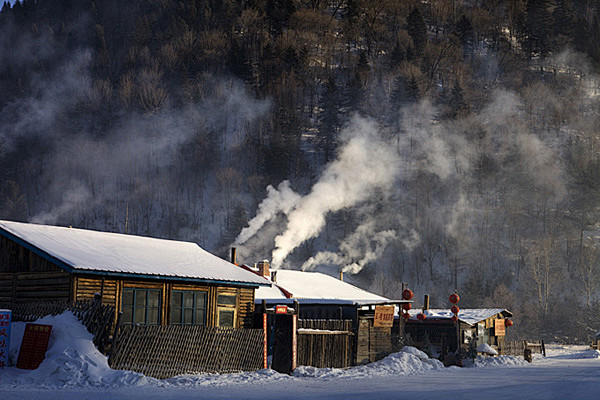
484, 325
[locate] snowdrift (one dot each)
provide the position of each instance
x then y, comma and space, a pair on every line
72, 361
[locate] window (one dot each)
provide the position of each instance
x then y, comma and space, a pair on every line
188, 307
226, 306
141, 306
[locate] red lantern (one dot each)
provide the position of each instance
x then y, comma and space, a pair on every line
406, 316
407, 294
508, 322
454, 298
455, 309
406, 306
421, 316
454, 318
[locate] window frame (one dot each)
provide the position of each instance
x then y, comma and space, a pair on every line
135, 308
194, 308
227, 307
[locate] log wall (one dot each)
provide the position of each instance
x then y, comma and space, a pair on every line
25, 287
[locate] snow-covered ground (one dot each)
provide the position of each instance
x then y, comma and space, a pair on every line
74, 369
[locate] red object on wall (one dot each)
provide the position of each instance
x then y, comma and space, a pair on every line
34, 346
455, 309
406, 306
406, 316
454, 298
508, 322
421, 317
454, 318
407, 294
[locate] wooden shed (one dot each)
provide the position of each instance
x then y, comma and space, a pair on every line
484, 325
152, 281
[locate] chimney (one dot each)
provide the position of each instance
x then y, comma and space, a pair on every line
342, 275
426, 302
263, 268
274, 276
233, 253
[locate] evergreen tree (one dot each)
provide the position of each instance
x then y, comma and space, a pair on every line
538, 24
329, 121
464, 31
417, 29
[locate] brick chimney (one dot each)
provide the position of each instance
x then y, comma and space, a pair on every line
263, 268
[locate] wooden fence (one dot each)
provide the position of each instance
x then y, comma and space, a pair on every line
325, 343
98, 318
518, 347
165, 351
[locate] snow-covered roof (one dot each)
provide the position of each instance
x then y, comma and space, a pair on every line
315, 287
470, 316
81, 250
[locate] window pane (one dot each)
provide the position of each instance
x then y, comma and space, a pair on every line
201, 300
226, 300
139, 317
200, 317
127, 315
188, 299
187, 315
176, 299
153, 316
140, 298
127, 297
176, 316
153, 298
226, 318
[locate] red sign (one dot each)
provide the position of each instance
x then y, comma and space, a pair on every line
265, 348
281, 310
34, 346
384, 317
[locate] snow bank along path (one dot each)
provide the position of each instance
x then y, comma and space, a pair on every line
74, 368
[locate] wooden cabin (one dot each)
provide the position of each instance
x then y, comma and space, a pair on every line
323, 297
485, 325
152, 281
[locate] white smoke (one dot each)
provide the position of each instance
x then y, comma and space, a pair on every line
283, 199
363, 246
365, 163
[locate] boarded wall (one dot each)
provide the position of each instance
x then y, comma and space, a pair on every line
372, 343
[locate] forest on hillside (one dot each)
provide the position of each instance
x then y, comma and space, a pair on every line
447, 144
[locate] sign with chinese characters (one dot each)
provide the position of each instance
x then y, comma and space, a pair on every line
5, 317
281, 310
499, 328
34, 346
384, 317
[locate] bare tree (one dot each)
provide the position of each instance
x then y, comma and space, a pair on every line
588, 269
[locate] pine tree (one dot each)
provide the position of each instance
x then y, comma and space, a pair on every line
464, 31
330, 121
538, 25
417, 29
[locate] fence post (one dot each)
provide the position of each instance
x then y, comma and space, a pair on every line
543, 348
115, 337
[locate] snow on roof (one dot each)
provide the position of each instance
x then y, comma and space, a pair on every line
84, 250
317, 287
470, 316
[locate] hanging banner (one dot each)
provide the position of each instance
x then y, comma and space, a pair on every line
34, 346
5, 319
384, 317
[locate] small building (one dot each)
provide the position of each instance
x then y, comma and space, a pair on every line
323, 297
152, 281
444, 336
